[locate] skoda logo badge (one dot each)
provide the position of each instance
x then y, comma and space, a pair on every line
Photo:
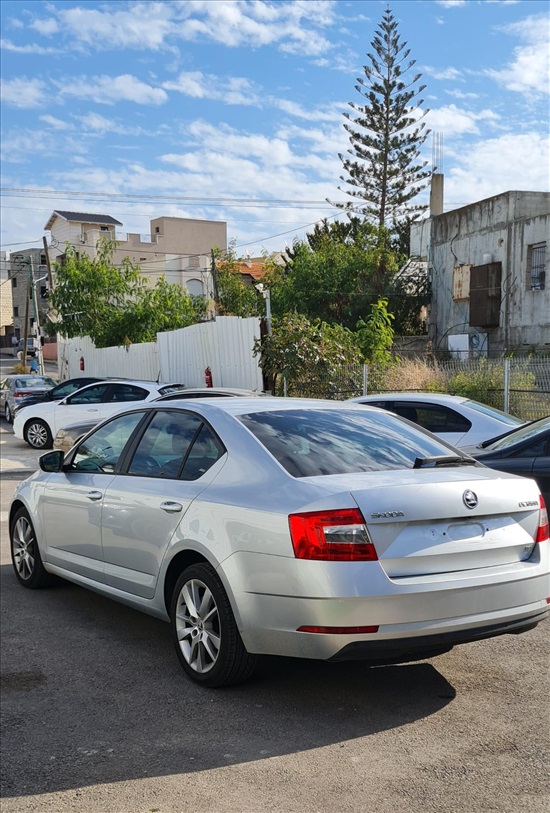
470, 499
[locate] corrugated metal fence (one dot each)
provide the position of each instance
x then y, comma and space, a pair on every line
225, 345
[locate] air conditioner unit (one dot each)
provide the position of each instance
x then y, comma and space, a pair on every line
477, 344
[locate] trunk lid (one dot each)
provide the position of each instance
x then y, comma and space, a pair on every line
455, 520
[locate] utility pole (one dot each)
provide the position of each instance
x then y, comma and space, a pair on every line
37, 323
48, 264
26, 328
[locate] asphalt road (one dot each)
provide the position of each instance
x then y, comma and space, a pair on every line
97, 717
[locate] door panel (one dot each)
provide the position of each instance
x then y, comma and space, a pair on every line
71, 513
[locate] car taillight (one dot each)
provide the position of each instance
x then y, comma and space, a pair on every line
543, 531
21, 394
339, 535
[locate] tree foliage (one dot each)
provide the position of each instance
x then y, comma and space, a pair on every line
115, 305
385, 132
331, 276
375, 334
235, 297
308, 354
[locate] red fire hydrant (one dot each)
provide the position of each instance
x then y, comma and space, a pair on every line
208, 377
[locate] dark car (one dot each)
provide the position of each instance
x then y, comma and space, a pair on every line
56, 393
524, 451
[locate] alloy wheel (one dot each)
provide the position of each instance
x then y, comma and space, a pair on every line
38, 435
24, 548
198, 626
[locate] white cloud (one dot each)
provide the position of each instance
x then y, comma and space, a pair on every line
292, 27
453, 122
32, 48
451, 3
111, 89
509, 162
142, 26
445, 73
459, 94
24, 92
46, 27
230, 90
57, 124
529, 71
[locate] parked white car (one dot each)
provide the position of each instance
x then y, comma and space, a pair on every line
460, 421
38, 424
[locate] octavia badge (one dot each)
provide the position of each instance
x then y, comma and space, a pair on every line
470, 499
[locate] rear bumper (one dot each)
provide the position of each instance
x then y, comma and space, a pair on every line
426, 646
413, 615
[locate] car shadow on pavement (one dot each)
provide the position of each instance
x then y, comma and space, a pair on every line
93, 693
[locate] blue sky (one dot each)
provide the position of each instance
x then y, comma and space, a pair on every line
232, 109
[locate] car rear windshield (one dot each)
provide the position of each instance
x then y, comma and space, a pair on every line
33, 381
309, 442
493, 412
531, 431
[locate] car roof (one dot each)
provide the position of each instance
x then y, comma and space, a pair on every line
242, 406
134, 382
436, 397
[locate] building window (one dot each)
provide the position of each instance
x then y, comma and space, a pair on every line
536, 266
16, 312
14, 282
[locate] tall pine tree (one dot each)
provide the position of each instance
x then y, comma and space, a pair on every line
386, 133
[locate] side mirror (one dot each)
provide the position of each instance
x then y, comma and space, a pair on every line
51, 461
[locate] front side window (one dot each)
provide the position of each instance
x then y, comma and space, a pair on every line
91, 395
313, 442
100, 452
536, 263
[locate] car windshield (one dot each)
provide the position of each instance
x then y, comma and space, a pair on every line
309, 442
33, 381
532, 430
493, 412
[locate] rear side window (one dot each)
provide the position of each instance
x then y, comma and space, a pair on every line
127, 392
313, 442
436, 418
176, 445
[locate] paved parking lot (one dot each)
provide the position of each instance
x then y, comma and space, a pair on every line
97, 717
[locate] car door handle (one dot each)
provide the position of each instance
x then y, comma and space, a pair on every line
171, 507
94, 495
92, 410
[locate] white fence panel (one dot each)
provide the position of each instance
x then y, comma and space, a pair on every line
180, 356
139, 361
225, 345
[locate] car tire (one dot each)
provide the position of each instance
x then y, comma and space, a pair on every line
7, 413
207, 641
25, 555
37, 434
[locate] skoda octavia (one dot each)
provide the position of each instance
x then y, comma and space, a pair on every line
288, 527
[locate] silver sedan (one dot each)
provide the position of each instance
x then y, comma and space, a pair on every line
287, 527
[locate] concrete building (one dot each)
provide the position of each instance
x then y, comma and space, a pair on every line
6, 304
27, 271
177, 248
487, 265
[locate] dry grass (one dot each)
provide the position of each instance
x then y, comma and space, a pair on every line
410, 375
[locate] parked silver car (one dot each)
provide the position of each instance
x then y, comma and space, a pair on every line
290, 527
17, 388
454, 418
66, 438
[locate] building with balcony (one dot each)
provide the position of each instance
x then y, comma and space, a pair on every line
179, 249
